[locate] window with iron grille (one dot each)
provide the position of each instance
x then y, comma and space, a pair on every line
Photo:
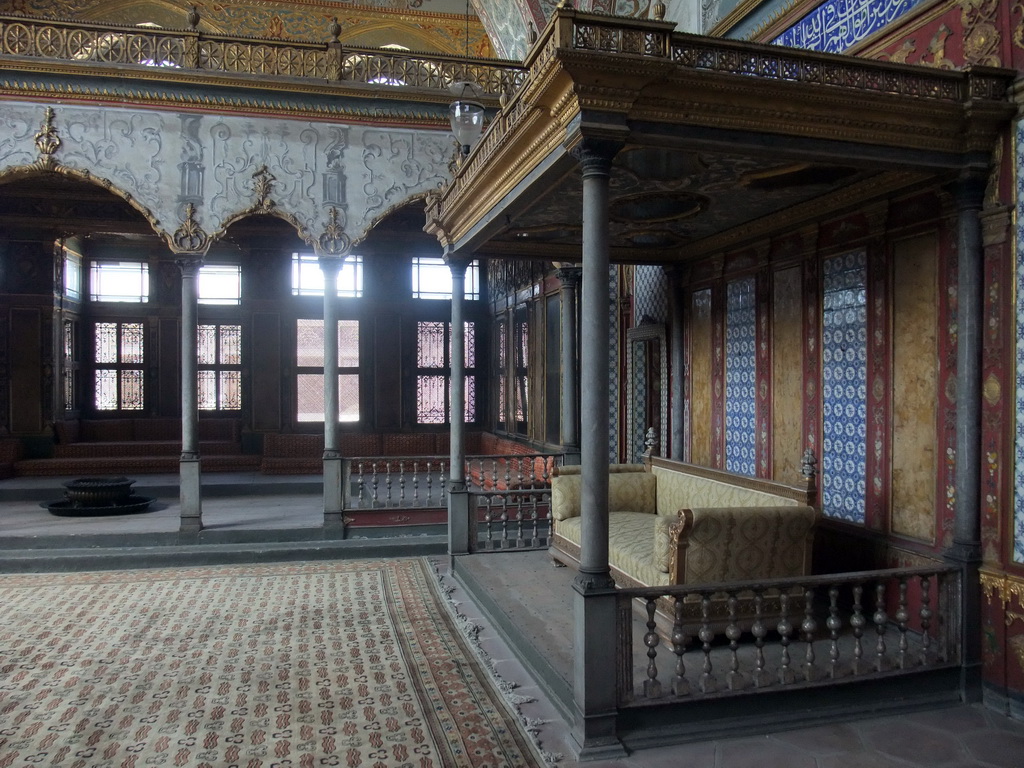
219, 355
119, 375
309, 366
433, 380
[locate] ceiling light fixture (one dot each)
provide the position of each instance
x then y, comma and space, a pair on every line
466, 112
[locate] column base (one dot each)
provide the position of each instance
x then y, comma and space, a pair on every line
334, 503
594, 738
190, 493
459, 528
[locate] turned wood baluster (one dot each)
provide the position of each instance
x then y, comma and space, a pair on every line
374, 484
735, 680
360, 483
652, 686
925, 616
444, 486
706, 635
857, 622
785, 629
834, 624
430, 484
508, 473
680, 685
401, 483
880, 618
808, 627
759, 629
902, 616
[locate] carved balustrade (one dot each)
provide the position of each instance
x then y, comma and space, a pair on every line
511, 520
83, 43
785, 634
390, 482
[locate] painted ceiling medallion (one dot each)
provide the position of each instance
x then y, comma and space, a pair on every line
657, 206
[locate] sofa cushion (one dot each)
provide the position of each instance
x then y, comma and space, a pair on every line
565, 496
630, 544
737, 544
683, 491
627, 491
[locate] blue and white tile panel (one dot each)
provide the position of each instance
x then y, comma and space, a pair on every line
844, 354
740, 377
1018, 445
836, 25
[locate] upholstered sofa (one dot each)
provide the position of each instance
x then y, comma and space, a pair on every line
674, 523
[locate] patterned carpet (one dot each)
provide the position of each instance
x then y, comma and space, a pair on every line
353, 663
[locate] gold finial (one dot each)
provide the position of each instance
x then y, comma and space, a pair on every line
47, 140
190, 237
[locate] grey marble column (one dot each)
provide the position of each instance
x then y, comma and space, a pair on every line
570, 416
333, 517
968, 194
677, 352
459, 528
190, 479
594, 695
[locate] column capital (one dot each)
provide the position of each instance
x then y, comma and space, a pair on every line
330, 264
569, 274
457, 263
189, 263
595, 155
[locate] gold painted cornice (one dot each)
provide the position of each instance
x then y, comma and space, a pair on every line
1002, 585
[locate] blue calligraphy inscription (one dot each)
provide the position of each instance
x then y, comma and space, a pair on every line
836, 25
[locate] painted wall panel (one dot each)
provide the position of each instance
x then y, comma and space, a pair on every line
915, 386
787, 374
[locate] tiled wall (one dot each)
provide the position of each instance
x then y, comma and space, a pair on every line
740, 377
844, 386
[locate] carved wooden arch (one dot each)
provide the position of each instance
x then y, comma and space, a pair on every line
42, 168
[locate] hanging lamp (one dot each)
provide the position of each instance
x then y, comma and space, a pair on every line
466, 113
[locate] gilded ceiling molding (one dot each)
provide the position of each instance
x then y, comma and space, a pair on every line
262, 187
334, 241
189, 237
376, 116
47, 141
1002, 586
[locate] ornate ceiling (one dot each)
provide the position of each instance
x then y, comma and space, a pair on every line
716, 144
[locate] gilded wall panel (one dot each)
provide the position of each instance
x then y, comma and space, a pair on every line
915, 387
700, 378
787, 374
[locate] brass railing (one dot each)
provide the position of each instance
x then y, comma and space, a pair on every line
715, 640
82, 43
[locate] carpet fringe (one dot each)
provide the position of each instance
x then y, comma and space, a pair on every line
471, 630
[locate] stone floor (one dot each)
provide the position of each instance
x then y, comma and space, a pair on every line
953, 737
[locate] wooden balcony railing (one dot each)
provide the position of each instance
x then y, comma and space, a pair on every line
823, 629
